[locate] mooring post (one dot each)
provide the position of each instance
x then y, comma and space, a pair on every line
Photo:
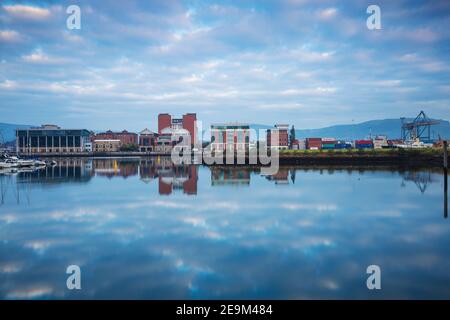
445, 154
445, 179
445, 193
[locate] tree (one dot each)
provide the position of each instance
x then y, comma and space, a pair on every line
292, 137
129, 147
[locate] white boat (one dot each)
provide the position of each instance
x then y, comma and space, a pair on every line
25, 163
8, 163
22, 162
39, 163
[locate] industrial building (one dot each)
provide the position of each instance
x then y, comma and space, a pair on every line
51, 139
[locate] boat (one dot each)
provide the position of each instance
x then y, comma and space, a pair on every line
39, 163
22, 162
8, 163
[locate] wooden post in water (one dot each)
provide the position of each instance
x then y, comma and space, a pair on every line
445, 154
445, 179
445, 193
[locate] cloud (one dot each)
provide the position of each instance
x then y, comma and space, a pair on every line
27, 12
38, 56
327, 14
309, 91
8, 84
308, 59
9, 36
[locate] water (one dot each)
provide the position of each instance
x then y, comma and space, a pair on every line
147, 229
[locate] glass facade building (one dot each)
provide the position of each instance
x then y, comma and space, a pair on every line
51, 139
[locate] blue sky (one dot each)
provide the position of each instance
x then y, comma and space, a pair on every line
302, 62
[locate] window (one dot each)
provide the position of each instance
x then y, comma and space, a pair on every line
70, 141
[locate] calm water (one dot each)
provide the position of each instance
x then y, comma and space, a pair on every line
148, 229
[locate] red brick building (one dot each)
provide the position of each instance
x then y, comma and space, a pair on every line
283, 136
147, 140
124, 136
164, 121
187, 122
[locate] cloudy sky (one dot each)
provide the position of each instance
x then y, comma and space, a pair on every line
303, 62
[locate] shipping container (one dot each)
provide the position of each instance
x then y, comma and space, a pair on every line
364, 146
343, 146
328, 146
313, 143
363, 142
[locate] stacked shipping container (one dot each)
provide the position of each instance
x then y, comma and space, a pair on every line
328, 143
363, 144
314, 143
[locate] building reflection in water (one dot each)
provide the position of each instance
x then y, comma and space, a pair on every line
67, 170
230, 175
171, 177
281, 177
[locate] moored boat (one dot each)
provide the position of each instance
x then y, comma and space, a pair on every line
8, 163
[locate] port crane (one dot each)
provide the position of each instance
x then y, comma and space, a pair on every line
419, 128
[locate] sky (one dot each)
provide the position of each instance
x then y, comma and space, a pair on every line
308, 63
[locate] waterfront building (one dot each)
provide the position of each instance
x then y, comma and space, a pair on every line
124, 136
88, 146
282, 142
107, 145
188, 122
51, 139
170, 138
231, 137
147, 140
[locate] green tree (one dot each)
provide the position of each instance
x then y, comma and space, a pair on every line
292, 137
129, 147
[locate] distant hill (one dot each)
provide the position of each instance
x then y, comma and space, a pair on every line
8, 131
389, 127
